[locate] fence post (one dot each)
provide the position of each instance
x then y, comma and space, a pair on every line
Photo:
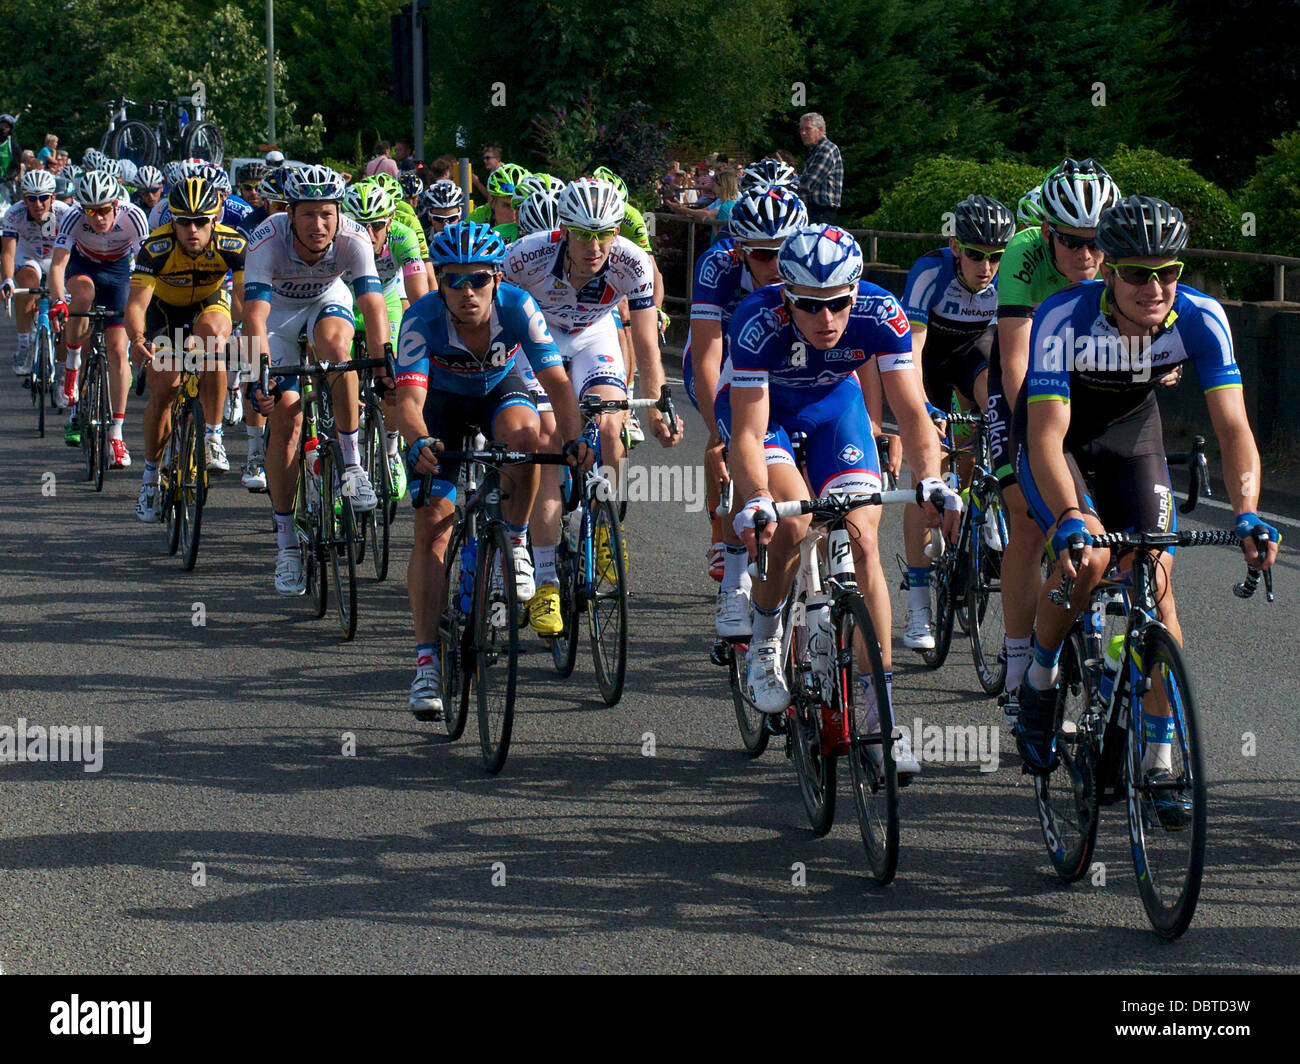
871, 246
1279, 283
690, 260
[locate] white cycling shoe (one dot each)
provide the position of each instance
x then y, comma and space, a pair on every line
425, 702
731, 616
357, 488
918, 634
765, 686
218, 461
290, 575
525, 585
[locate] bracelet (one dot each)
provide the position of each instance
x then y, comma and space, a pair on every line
1066, 511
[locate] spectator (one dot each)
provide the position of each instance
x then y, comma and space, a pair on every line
821, 185
442, 168
28, 161
724, 186
46, 154
785, 157
61, 160
11, 151
491, 160
402, 154
381, 163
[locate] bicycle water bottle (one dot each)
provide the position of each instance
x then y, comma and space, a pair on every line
311, 451
468, 560
821, 645
1110, 667
573, 528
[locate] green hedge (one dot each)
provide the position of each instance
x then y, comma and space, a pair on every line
1273, 197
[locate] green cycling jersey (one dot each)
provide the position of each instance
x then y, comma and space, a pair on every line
1027, 275
406, 215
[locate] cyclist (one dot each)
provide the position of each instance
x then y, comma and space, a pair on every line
440, 205
27, 234
149, 188
796, 351
769, 171
270, 193
179, 281
412, 186
1029, 211
402, 277
249, 178
299, 267
405, 213
456, 369
951, 300
1038, 263
724, 275
1094, 453
578, 275
539, 213
499, 211
93, 256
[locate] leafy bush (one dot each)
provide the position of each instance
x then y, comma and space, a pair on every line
1273, 197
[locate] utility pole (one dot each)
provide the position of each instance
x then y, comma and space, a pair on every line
270, 71
417, 75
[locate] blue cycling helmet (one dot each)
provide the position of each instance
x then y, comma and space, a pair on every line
820, 256
766, 212
465, 242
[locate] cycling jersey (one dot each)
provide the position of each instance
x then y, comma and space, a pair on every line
634, 228
938, 298
1027, 275
431, 355
508, 231
122, 240
767, 350
175, 277
536, 264
276, 274
252, 220
405, 214
401, 257
233, 213
35, 240
721, 281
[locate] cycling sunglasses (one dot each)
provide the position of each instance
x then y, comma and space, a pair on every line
976, 255
202, 221
100, 212
478, 279
761, 254
443, 219
598, 235
39, 199
1139, 276
815, 305
377, 227
1074, 243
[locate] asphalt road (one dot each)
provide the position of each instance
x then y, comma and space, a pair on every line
223, 747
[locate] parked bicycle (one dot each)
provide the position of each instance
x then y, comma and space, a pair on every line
151, 143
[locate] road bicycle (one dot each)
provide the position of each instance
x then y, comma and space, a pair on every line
94, 402
41, 380
151, 144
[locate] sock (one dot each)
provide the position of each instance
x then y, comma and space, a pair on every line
1158, 732
518, 536
73, 361
213, 431
286, 536
348, 444
392, 439
423, 655
1044, 669
1018, 656
150, 475
256, 440
115, 433
767, 623
735, 567
544, 565
24, 341
918, 587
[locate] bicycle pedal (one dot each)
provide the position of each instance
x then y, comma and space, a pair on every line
721, 654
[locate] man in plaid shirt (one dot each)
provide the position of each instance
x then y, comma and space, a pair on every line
822, 182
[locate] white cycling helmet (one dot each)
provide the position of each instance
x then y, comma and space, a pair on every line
274, 158
442, 195
590, 203
148, 177
318, 184
38, 183
173, 172
1076, 193
127, 171
820, 256
766, 212
97, 187
540, 212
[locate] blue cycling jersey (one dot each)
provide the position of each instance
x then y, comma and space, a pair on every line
233, 213
431, 355
767, 349
721, 282
937, 298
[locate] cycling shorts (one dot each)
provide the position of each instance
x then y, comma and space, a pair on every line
111, 281
284, 324
168, 319
1002, 447
451, 417
535, 388
593, 356
959, 370
28, 258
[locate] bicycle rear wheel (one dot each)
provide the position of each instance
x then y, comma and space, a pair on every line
496, 650
607, 603
135, 141
942, 607
340, 542
564, 647
203, 140
1067, 796
1169, 861
191, 490
455, 660
168, 501
374, 455
860, 687
984, 587
754, 733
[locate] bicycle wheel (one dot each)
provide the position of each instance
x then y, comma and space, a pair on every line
191, 489
374, 455
43, 384
454, 659
753, 728
168, 478
984, 587
942, 607
564, 647
341, 539
814, 766
313, 534
871, 754
1067, 796
203, 140
607, 603
496, 645
1168, 860
87, 405
135, 141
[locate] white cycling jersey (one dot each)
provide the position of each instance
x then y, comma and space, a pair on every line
124, 237
35, 240
536, 264
274, 273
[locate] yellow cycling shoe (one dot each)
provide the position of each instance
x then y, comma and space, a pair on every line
605, 557
544, 615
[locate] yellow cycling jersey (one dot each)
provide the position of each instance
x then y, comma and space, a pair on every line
181, 280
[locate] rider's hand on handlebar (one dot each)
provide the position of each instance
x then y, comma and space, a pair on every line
1249, 526
1070, 534
7, 288
263, 402
928, 492
662, 432
743, 522
579, 453
421, 457
59, 311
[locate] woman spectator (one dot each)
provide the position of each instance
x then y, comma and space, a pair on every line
722, 186
46, 154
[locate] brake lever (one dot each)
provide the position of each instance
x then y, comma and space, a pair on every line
1061, 596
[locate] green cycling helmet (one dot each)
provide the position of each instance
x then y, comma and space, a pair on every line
604, 173
368, 202
534, 183
502, 180
387, 182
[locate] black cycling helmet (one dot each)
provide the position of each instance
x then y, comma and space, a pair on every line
1139, 226
410, 182
983, 220
194, 196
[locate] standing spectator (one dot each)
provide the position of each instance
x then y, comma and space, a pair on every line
402, 155
46, 154
381, 163
821, 185
11, 151
491, 160
442, 168
723, 185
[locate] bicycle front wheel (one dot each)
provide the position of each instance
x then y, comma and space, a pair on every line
455, 659
942, 608
43, 382
607, 602
984, 587
1169, 843
102, 418
1067, 796
496, 645
313, 531
564, 647
814, 764
191, 489
340, 541
754, 733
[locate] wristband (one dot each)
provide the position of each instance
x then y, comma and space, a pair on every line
1057, 522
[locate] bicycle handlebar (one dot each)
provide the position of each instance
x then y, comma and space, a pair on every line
591, 405
1198, 473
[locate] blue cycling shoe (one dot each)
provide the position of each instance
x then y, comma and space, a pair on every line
1035, 729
